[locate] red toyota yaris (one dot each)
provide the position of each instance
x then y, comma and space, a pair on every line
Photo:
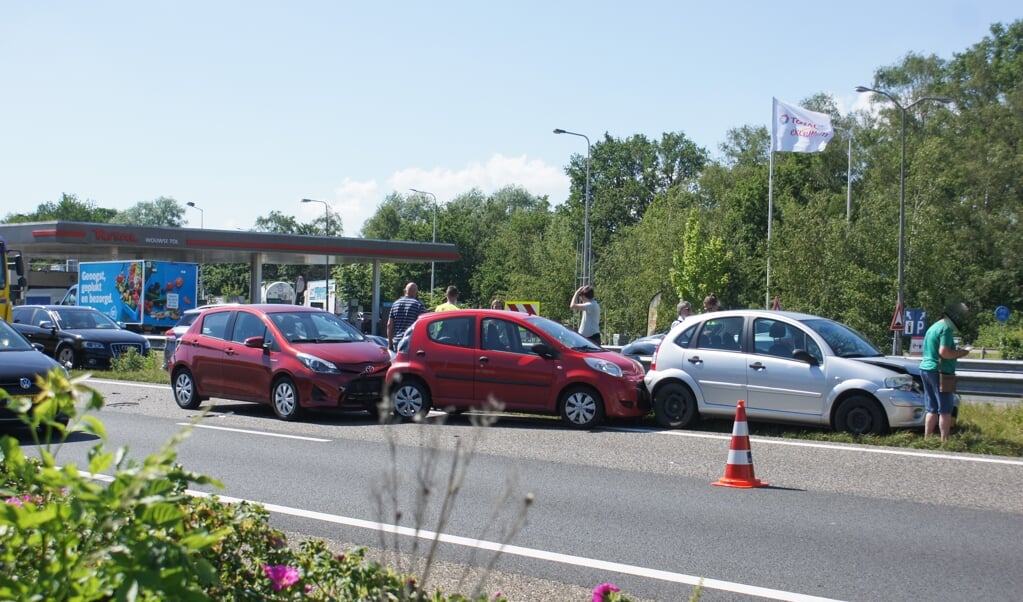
288, 356
461, 359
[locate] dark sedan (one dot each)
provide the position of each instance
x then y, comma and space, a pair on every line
78, 337
642, 349
21, 365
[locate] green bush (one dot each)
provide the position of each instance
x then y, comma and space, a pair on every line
133, 361
141, 536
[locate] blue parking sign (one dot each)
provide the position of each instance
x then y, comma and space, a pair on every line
915, 324
1002, 313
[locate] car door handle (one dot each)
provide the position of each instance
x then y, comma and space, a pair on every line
757, 366
695, 360
421, 352
484, 359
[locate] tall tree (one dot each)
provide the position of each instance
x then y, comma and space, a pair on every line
68, 208
163, 211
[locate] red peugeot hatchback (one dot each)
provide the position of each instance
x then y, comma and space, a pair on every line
288, 356
461, 359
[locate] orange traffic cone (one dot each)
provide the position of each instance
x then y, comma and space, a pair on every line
739, 470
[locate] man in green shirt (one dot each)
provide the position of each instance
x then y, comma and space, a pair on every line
940, 355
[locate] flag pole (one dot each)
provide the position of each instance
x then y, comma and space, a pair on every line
770, 218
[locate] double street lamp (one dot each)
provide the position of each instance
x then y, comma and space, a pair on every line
432, 263
587, 238
900, 305
326, 265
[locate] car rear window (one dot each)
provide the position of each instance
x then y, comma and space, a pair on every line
215, 324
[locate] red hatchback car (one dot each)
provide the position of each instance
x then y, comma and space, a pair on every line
288, 356
461, 359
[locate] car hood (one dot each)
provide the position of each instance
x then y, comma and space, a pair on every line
15, 365
107, 335
901, 365
356, 352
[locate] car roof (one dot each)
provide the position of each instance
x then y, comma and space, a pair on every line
768, 313
56, 307
501, 313
269, 308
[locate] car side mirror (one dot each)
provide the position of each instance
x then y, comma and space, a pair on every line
39, 347
545, 351
48, 325
255, 342
804, 356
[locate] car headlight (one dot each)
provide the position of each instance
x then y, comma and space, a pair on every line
901, 382
93, 345
317, 364
602, 365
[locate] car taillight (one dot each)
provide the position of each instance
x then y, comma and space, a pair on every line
653, 357
169, 334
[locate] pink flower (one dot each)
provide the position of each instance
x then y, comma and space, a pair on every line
603, 590
281, 575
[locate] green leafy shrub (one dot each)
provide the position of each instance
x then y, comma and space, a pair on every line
133, 361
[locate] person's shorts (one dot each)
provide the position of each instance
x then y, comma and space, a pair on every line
936, 402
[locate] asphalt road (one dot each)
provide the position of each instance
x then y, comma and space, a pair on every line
629, 504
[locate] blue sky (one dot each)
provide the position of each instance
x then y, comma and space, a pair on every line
247, 107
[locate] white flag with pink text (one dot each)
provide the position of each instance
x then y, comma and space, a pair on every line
797, 130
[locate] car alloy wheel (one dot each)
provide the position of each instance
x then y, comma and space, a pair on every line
66, 356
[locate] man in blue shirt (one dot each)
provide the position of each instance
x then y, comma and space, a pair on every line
403, 313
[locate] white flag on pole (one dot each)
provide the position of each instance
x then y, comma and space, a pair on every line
797, 130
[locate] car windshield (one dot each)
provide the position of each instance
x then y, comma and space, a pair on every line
844, 341
11, 340
78, 319
565, 336
315, 327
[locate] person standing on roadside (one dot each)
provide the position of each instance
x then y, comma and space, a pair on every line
583, 301
711, 303
940, 356
497, 303
451, 296
403, 314
684, 307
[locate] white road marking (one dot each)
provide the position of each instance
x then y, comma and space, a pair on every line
832, 446
493, 546
250, 432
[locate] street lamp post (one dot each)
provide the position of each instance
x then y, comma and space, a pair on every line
326, 265
900, 306
587, 237
432, 264
202, 214
202, 226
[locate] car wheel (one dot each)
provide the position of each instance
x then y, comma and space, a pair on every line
581, 407
860, 415
66, 356
284, 399
674, 406
184, 390
411, 399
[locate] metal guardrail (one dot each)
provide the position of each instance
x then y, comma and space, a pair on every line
982, 378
